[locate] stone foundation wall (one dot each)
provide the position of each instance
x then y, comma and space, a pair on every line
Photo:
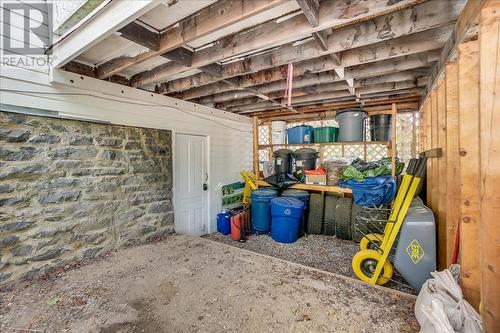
71, 190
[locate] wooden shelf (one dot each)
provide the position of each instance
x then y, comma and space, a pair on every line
318, 188
346, 143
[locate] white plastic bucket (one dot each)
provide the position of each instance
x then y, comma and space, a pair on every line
278, 132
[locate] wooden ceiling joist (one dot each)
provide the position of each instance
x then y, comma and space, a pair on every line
343, 51
320, 115
312, 88
389, 88
210, 19
384, 67
343, 37
385, 101
382, 102
308, 58
184, 57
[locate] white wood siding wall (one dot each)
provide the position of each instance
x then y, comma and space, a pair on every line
230, 140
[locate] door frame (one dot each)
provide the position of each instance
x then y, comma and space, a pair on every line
208, 192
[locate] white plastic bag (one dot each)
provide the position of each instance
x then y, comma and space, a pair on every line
440, 305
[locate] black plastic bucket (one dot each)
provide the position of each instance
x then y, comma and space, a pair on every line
283, 161
381, 127
305, 159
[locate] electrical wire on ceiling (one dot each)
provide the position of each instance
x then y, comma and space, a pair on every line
28, 93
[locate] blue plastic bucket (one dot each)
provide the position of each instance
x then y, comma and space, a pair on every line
286, 218
304, 197
300, 134
224, 223
261, 209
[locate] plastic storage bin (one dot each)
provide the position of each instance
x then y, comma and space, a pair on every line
381, 127
326, 134
351, 124
224, 222
286, 218
261, 209
304, 197
283, 161
278, 132
305, 159
300, 134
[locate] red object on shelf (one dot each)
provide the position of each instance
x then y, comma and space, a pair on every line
319, 171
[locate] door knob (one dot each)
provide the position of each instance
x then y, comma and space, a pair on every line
205, 187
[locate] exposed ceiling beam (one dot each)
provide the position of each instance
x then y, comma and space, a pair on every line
141, 35
105, 22
321, 114
413, 76
356, 36
379, 28
310, 8
322, 39
389, 87
377, 68
180, 55
313, 85
316, 85
184, 56
435, 38
376, 101
212, 18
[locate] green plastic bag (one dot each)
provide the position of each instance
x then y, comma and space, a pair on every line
350, 172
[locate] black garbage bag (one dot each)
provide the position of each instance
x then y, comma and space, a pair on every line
281, 181
361, 165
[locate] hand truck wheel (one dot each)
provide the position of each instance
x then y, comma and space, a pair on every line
364, 264
371, 242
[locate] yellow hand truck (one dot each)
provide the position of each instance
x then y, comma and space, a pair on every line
371, 263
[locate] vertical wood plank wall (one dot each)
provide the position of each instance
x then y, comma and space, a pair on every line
461, 115
468, 88
489, 231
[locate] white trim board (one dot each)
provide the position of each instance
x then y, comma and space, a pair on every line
58, 76
106, 21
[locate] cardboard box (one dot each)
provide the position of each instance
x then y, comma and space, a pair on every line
316, 179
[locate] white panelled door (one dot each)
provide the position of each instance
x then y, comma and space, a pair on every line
191, 184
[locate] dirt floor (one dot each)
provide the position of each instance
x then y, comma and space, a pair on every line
187, 284
327, 253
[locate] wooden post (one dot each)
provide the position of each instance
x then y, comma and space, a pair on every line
428, 145
394, 111
270, 130
452, 157
364, 150
489, 231
445, 239
414, 116
256, 146
468, 97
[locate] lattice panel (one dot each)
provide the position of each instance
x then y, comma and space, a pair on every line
375, 152
264, 135
405, 135
332, 152
264, 154
354, 151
